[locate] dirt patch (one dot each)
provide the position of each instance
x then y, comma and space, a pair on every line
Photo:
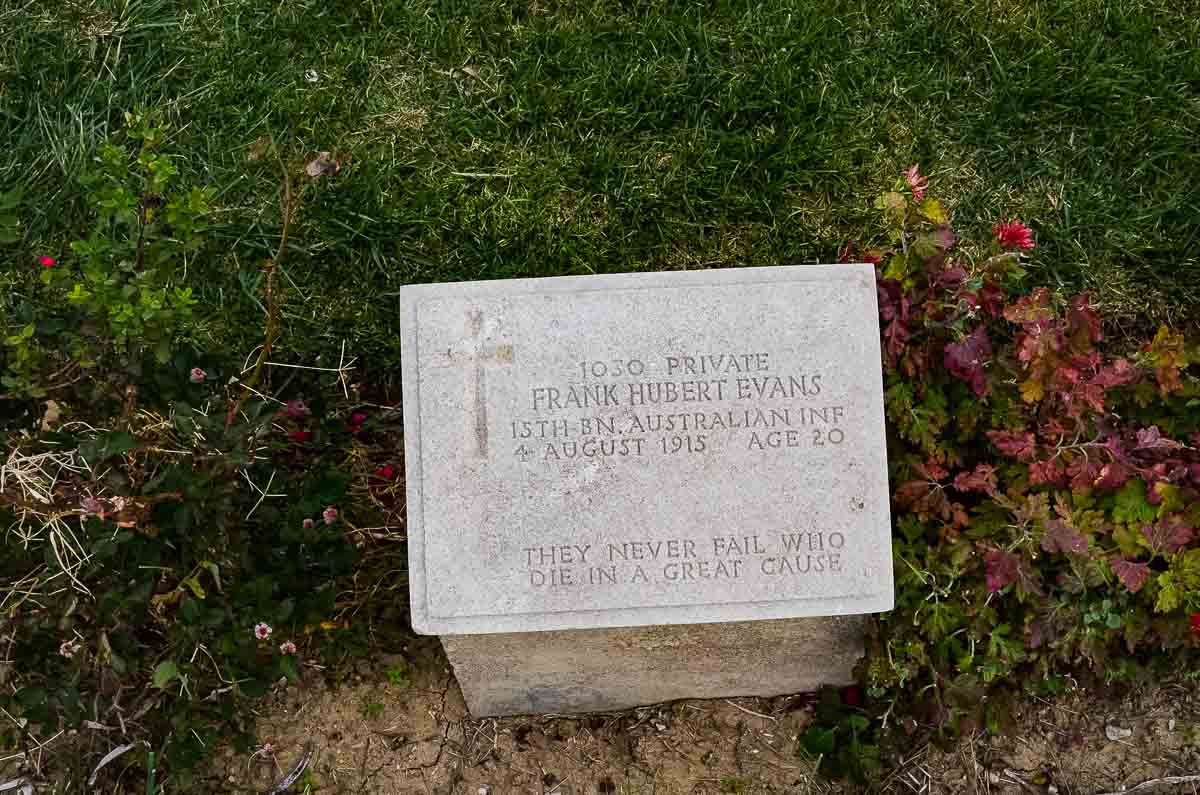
372, 736
1082, 744
412, 734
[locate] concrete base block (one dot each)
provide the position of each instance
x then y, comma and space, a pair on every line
611, 669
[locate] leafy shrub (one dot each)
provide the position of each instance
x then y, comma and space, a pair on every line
1045, 477
176, 541
119, 293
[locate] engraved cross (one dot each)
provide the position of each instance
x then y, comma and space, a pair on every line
474, 352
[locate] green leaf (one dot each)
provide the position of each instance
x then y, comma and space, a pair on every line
164, 673
1131, 505
196, 588
287, 664
106, 445
857, 723
818, 741
931, 209
212, 569
1168, 594
190, 610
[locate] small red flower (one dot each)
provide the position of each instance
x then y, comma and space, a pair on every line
308, 524
330, 515
848, 254
1196, 624
852, 696
386, 472
916, 182
1014, 234
358, 418
300, 437
47, 262
197, 375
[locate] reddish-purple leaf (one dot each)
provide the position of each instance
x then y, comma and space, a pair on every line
1167, 535
944, 237
1021, 445
1119, 373
1112, 476
1051, 472
1061, 537
931, 470
1082, 395
1151, 439
1083, 319
949, 278
1083, 471
1002, 568
912, 491
991, 297
1131, 574
894, 308
1035, 634
982, 478
1033, 308
965, 359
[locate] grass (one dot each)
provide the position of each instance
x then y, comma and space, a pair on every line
490, 139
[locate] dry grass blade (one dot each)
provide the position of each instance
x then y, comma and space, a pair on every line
29, 482
1154, 783
294, 775
110, 756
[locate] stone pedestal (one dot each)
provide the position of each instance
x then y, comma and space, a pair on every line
610, 669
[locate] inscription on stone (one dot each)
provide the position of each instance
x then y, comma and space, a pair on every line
645, 449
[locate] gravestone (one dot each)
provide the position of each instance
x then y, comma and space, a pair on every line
634, 488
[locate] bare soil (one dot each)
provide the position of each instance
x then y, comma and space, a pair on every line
415, 736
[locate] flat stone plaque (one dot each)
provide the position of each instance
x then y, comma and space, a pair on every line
645, 449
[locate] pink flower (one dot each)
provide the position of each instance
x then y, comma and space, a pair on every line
1014, 234
198, 375
300, 437
358, 418
916, 182
330, 515
90, 504
47, 262
308, 524
287, 647
68, 648
262, 631
385, 472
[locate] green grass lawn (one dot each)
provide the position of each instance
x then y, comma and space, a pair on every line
486, 139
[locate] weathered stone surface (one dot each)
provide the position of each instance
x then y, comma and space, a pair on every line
609, 669
645, 449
